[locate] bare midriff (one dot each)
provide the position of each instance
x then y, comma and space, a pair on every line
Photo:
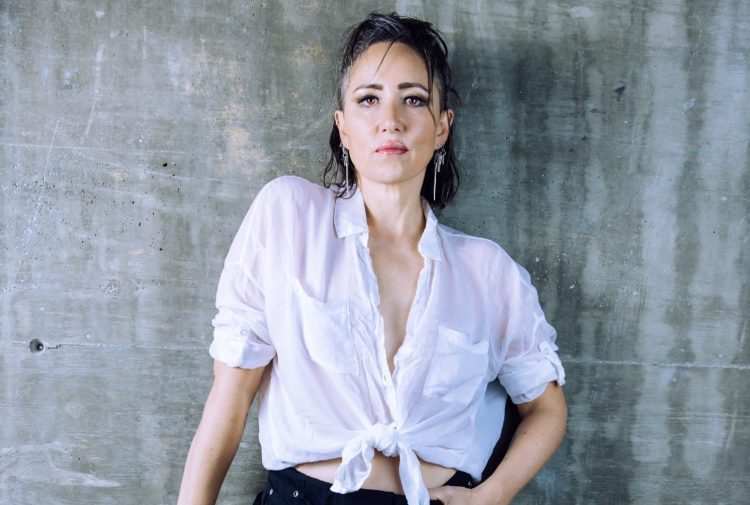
384, 475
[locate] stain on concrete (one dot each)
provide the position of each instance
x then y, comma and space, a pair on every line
735, 439
687, 246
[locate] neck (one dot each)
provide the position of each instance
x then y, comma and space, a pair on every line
393, 213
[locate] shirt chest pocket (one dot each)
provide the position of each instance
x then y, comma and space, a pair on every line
457, 367
325, 329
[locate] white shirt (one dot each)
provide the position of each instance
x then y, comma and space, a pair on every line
298, 290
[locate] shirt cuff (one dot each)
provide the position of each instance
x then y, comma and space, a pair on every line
526, 378
242, 349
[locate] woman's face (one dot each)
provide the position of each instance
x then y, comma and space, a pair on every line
387, 123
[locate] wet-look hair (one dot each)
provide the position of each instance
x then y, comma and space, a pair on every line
421, 37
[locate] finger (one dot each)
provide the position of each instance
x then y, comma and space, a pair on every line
438, 493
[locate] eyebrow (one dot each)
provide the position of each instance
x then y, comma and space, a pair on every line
403, 85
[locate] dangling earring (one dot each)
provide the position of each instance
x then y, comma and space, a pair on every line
345, 157
437, 164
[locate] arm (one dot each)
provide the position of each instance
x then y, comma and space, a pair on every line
219, 433
541, 430
538, 436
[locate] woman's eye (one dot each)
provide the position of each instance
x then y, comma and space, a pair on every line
368, 100
415, 101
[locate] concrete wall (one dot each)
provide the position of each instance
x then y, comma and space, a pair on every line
605, 145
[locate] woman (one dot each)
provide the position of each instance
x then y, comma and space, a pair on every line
374, 335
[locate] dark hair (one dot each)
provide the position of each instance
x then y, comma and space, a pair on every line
426, 42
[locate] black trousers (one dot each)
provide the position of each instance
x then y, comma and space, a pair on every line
292, 487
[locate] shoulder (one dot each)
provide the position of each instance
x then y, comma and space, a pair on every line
292, 192
481, 251
486, 262
483, 258
288, 185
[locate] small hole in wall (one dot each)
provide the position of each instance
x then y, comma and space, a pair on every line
36, 346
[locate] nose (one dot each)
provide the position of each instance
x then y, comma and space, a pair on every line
391, 119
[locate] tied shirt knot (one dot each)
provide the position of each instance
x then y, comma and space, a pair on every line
384, 438
356, 462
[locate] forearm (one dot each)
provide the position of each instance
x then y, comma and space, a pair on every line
218, 436
537, 437
211, 453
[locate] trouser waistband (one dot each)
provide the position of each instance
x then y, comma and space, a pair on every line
292, 487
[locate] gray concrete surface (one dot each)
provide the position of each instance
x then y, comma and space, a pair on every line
605, 145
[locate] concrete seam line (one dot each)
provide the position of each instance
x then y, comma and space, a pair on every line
583, 361
58, 345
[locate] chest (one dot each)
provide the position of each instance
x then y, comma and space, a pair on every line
397, 271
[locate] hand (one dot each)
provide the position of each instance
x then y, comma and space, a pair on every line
453, 495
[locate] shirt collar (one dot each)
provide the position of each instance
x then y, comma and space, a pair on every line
349, 218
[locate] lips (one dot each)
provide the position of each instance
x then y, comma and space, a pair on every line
391, 148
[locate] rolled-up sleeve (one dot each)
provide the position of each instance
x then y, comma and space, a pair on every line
240, 334
241, 337
526, 353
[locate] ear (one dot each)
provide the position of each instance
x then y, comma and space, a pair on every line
338, 118
443, 128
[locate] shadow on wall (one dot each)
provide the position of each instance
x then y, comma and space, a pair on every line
525, 121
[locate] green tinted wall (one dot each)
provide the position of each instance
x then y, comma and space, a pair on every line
604, 145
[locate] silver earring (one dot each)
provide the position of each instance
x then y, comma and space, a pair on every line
437, 164
345, 157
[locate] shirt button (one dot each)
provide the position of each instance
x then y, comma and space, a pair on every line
295, 493
385, 379
270, 491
